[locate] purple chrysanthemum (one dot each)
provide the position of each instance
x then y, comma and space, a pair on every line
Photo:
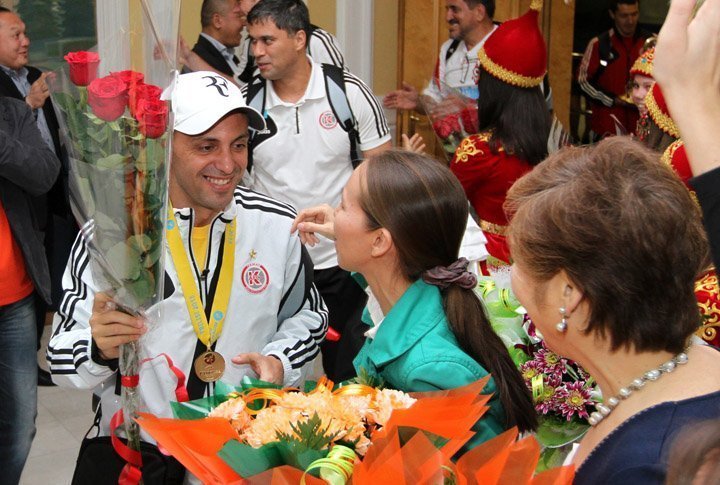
529, 370
549, 362
573, 398
544, 396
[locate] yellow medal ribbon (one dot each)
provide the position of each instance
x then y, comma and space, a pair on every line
208, 333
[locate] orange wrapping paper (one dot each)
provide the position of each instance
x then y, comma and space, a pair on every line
449, 414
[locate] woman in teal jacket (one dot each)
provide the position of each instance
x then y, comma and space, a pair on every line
399, 224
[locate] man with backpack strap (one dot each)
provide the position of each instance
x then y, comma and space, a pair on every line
317, 116
605, 71
470, 23
322, 47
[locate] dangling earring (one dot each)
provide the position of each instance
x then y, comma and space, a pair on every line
562, 325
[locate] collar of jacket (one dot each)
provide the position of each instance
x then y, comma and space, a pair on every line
417, 312
185, 215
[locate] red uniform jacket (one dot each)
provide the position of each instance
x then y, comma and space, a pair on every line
603, 84
486, 178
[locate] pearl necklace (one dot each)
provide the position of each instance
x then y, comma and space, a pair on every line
603, 410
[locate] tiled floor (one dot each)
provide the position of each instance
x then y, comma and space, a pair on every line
64, 415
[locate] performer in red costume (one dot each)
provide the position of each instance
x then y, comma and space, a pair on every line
664, 136
514, 123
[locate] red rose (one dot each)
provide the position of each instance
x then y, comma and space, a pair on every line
107, 97
130, 78
83, 66
142, 91
441, 129
447, 126
152, 117
469, 118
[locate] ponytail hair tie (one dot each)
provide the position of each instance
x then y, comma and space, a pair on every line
455, 274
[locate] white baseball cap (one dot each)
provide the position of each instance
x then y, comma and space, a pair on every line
199, 99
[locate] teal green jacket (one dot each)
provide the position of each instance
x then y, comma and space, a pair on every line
415, 350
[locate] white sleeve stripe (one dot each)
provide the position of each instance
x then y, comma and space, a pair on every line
306, 360
57, 358
245, 204
378, 114
307, 346
318, 306
585, 85
329, 46
250, 195
372, 101
79, 262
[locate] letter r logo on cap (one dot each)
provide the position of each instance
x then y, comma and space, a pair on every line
218, 83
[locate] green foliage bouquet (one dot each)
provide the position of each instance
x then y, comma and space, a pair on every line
563, 393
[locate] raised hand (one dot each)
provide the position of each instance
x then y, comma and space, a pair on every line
313, 221
405, 98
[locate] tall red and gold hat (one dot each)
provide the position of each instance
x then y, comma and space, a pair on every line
658, 111
643, 65
676, 157
515, 53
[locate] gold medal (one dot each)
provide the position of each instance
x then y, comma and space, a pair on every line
210, 366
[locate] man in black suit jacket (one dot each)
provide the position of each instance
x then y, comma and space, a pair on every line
222, 25
26, 83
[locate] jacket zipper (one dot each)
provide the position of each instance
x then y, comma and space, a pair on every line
206, 270
192, 255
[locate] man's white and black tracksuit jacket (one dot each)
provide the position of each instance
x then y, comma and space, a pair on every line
274, 309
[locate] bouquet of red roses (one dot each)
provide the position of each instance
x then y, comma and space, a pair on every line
115, 127
453, 118
116, 131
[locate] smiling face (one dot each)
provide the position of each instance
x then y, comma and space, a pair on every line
206, 168
277, 52
641, 85
461, 19
229, 23
14, 44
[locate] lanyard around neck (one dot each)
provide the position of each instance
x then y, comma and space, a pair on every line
208, 333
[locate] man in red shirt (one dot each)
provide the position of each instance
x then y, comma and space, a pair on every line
605, 69
28, 169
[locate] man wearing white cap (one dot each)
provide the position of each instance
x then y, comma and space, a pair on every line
274, 319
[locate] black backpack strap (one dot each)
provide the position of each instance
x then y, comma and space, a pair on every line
255, 98
337, 97
246, 75
451, 50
